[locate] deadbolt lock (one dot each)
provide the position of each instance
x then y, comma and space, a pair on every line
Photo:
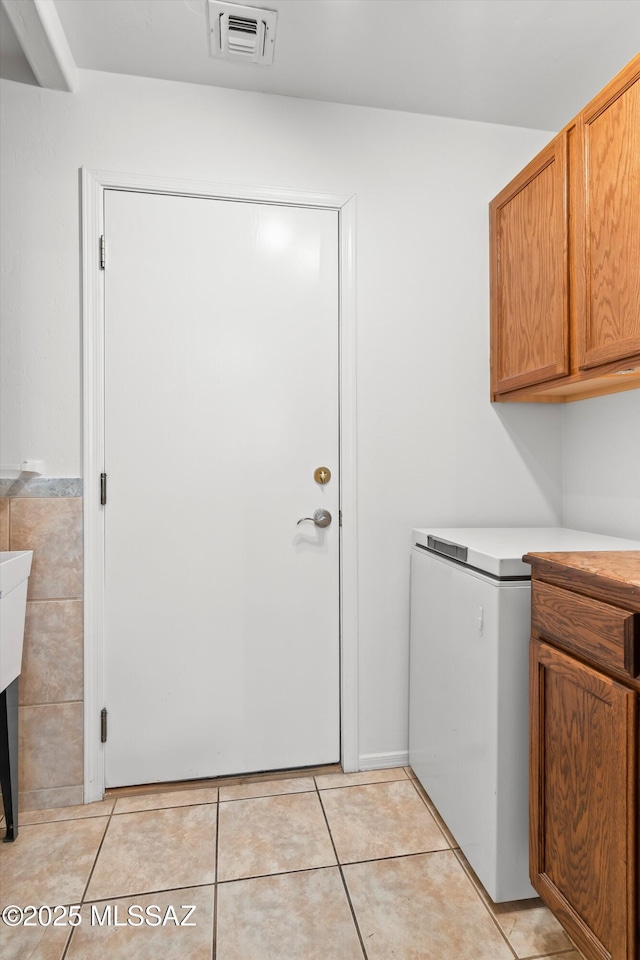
322, 475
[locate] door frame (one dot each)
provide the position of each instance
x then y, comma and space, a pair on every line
94, 184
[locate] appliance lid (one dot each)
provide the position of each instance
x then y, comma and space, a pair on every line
499, 550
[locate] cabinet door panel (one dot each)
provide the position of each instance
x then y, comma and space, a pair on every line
529, 281
607, 184
583, 783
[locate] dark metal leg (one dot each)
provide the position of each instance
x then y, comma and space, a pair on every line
9, 757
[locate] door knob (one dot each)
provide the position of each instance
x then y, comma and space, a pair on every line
321, 518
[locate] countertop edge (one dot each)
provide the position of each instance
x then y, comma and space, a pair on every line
612, 576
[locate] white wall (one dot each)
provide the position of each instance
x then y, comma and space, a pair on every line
601, 464
431, 447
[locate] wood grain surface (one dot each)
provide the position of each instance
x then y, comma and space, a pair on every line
607, 188
565, 259
609, 575
620, 565
600, 632
583, 782
529, 289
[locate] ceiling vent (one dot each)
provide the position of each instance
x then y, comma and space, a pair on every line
241, 33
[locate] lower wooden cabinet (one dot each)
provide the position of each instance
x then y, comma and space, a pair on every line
585, 749
583, 854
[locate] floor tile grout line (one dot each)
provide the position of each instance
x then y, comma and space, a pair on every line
95, 860
163, 890
278, 873
144, 893
368, 783
563, 952
67, 944
170, 806
123, 813
328, 866
208, 784
44, 823
214, 932
91, 872
147, 893
456, 849
419, 792
268, 796
421, 795
342, 876
316, 789
484, 903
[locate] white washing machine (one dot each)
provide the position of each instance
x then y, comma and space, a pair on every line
469, 665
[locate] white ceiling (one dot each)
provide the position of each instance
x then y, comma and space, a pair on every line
531, 63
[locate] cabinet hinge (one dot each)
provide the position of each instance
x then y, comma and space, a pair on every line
103, 489
103, 253
103, 725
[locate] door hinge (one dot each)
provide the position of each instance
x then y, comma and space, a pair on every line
103, 489
103, 725
339, 518
103, 253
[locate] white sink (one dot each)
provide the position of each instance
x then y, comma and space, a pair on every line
15, 567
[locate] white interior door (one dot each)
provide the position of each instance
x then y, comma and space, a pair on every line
221, 399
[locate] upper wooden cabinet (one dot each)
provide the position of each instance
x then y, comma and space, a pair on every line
565, 259
607, 215
529, 289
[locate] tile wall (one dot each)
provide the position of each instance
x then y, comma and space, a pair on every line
45, 515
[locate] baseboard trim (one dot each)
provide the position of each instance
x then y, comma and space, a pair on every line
381, 761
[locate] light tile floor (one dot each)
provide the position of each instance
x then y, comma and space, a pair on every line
331, 867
